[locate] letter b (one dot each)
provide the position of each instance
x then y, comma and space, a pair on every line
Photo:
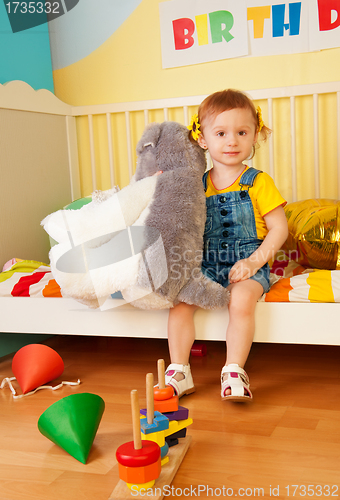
183, 30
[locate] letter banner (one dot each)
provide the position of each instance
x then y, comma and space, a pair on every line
324, 24
198, 31
277, 27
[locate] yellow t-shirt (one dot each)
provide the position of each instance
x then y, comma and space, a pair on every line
264, 196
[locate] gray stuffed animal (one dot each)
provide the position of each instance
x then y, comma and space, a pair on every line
162, 216
178, 212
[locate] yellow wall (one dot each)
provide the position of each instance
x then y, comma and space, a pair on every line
128, 67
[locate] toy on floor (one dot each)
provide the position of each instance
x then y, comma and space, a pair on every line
146, 240
156, 426
178, 416
139, 461
165, 399
151, 427
33, 366
198, 349
72, 423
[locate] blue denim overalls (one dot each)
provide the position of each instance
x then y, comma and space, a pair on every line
230, 232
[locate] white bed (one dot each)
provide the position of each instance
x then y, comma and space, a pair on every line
40, 141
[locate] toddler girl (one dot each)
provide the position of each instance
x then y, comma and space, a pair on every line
245, 227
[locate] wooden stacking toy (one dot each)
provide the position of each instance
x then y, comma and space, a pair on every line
157, 426
139, 462
136, 460
164, 397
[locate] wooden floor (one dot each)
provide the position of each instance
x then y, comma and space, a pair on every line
287, 440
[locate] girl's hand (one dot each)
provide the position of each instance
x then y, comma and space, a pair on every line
277, 226
243, 270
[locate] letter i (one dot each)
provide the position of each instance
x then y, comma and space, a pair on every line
202, 29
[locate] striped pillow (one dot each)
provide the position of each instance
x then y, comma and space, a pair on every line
28, 278
299, 284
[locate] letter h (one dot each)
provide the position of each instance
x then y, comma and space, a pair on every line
279, 25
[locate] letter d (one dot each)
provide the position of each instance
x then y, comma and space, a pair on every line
275, 492
325, 14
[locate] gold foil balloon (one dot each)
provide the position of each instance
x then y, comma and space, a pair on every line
313, 239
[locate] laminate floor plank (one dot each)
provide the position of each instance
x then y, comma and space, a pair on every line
286, 440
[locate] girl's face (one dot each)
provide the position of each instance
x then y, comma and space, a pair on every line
229, 137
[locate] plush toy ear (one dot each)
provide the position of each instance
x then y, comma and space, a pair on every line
150, 137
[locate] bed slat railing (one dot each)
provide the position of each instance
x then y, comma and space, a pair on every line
338, 140
129, 142
186, 115
146, 117
293, 146
73, 160
316, 145
271, 143
92, 153
187, 105
110, 147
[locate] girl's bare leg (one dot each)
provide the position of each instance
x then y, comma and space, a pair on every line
241, 328
181, 334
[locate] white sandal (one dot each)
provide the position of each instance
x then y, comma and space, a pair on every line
238, 383
182, 387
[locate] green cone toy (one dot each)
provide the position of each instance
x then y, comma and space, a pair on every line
72, 423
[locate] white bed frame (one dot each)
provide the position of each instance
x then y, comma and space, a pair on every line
39, 135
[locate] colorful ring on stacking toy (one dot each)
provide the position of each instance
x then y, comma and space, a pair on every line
163, 394
128, 456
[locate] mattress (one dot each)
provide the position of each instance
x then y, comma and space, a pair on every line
291, 282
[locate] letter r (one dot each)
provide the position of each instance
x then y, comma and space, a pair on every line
221, 23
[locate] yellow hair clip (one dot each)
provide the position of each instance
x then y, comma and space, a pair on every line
259, 118
194, 127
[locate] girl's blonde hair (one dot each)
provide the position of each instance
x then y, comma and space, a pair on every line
225, 100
